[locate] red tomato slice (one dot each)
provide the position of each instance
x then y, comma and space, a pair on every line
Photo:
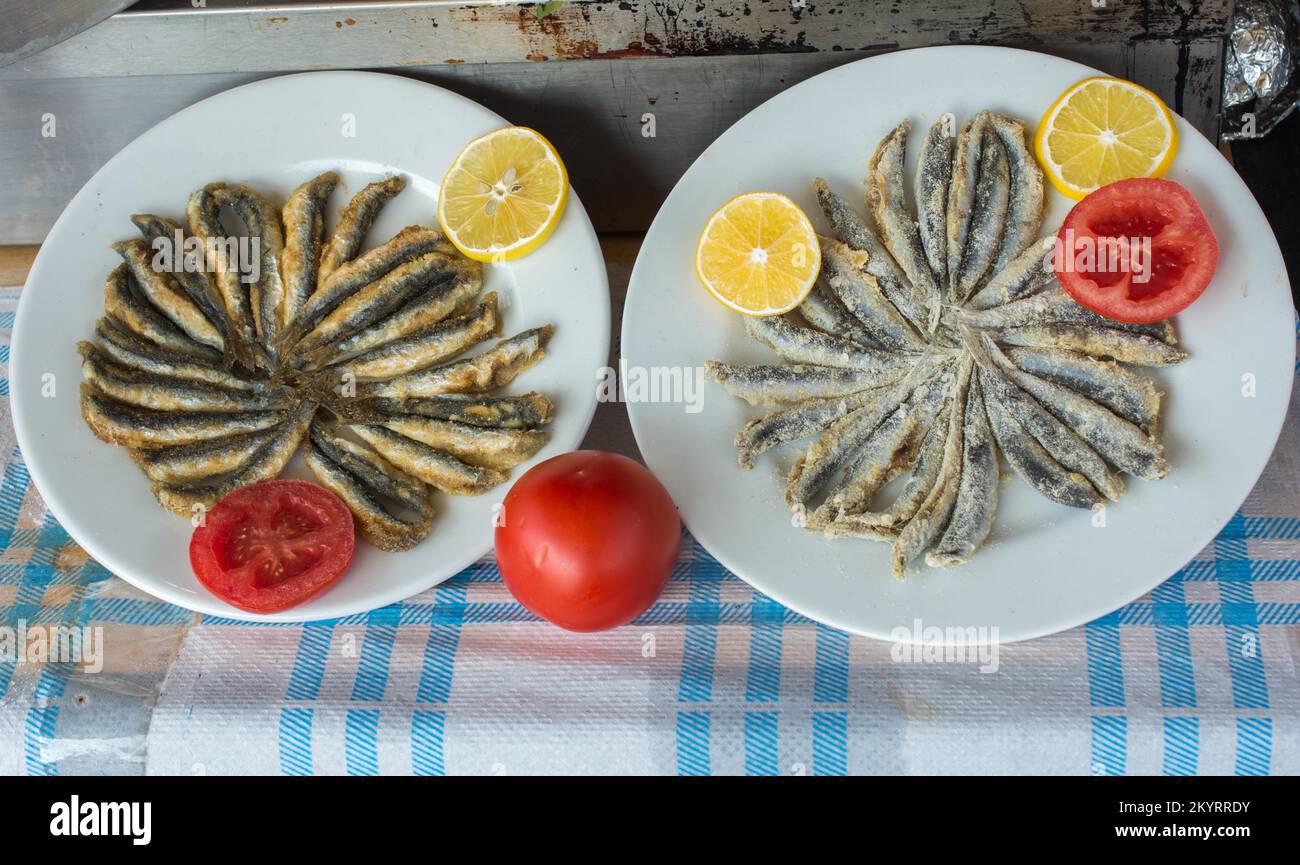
273, 545
1101, 255
588, 539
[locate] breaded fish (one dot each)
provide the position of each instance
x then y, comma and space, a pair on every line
304, 233
479, 446
147, 390
496, 367
203, 212
345, 243
843, 268
430, 465
434, 344
131, 312
496, 412
266, 463
353, 276
798, 421
854, 232
795, 383
379, 526
448, 294
120, 424
803, 345
189, 270
886, 200
266, 293
201, 460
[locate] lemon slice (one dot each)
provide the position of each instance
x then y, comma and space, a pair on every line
503, 195
758, 254
1102, 130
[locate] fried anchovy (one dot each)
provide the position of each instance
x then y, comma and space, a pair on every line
1033, 463
932, 517
121, 424
165, 294
127, 349
203, 214
266, 293
1029, 272
977, 491
890, 449
1062, 443
432, 466
304, 234
859, 291
798, 421
961, 194
424, 348
887, 523
987, 218
375, 472
375, 523
354, 224
804, 345
201, 460
1123, 391
450, 295
147, 390
189, 269
376, 300
478, 446
355, 275
1025, 210
886, 201
494, 412
823, 310
933, 177
857, 234
1123, 444
133, 313
495, 367
792, 383
267, 462
1121, 345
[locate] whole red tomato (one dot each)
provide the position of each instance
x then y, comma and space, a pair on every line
587, 540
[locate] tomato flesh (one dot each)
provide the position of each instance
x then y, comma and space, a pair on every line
273, 545
588, 540
1136, 251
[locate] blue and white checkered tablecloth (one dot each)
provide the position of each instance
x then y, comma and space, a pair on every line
1197, 677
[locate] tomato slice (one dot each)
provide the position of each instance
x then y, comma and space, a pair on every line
271, 546
1136, 251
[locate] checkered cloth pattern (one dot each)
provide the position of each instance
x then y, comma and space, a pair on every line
1199, 676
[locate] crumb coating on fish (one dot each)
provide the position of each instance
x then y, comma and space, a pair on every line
938, 342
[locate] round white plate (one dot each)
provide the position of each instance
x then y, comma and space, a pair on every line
274, 134
1046, 567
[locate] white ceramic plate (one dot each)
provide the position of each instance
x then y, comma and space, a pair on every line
274, 134
1046, 567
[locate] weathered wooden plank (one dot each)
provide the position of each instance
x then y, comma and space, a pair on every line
591, 110
173, 37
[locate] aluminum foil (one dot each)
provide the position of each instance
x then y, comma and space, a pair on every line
1261, 70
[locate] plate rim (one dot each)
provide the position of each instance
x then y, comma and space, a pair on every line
1066, 623
206, 604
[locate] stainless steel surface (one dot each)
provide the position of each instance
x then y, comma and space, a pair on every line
34, 25
696, 73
